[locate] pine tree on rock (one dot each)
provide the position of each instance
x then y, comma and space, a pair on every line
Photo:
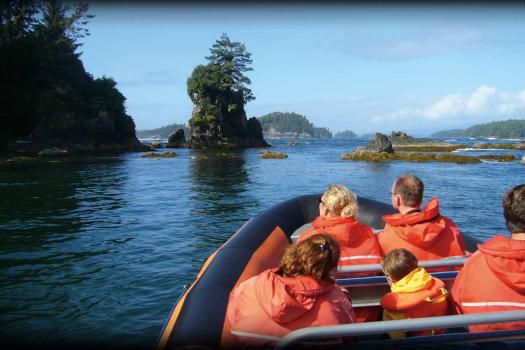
234, 60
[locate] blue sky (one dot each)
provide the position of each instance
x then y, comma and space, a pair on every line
366, 69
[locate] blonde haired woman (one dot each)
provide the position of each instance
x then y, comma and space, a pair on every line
337, 209
299, 293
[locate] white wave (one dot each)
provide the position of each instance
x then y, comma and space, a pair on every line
494, 161
477, 149
492, 138
514, 139
451, 140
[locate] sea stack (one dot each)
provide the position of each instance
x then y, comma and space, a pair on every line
380, 143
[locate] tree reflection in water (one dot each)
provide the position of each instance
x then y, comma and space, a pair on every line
221, 200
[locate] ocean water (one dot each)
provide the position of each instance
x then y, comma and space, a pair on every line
96, 250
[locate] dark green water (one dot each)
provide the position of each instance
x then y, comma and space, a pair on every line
95, 251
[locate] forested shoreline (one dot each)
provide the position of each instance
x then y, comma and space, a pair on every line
511, 128
48, 99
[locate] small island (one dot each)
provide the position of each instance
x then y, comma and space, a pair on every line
219, 91
290, 124
346, 134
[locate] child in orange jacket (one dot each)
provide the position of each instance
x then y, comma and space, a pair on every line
414, 292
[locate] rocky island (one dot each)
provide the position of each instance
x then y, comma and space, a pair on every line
50, 105
219, 93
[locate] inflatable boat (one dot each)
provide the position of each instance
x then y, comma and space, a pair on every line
199, 319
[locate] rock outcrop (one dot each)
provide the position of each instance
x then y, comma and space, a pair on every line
401, 138
71, 134
273, 155
380, 143
166, 154
523, 160
177, 139
220, 125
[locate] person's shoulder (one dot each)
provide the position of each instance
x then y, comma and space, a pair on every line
473, 260
307, 234
449, 222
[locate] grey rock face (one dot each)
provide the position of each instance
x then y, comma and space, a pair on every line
177, 139
380, 143
221, 125
401, 138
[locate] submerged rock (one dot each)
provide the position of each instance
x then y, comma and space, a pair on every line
428, 147
177, 139
497, 157
523, 160
272, 155
380, 143
373, 156
520, 146
166, 154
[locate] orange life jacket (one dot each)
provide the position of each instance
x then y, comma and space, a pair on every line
492, 279
427, 234
268, 306
358, 246
426, 302
357, 242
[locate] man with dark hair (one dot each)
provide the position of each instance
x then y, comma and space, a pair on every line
425, 233
493, 279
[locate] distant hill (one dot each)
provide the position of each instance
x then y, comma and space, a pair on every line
162, 132
449, 133
347, 134
512, 128
289, 124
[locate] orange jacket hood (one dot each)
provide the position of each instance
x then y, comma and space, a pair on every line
285, 299
421, 228
346, 228
506, 258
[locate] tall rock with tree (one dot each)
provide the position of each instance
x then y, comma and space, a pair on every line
219, 91
48, 99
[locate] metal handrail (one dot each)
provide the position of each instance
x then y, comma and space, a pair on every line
445, 262
381, 327
381, 280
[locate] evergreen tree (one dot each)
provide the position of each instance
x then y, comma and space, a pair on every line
233, 60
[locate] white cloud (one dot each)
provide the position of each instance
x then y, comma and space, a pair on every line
482, 100
486, 103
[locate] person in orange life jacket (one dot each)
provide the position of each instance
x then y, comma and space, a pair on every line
493, 278
414, 292
337, 209
425, 233
300, 293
